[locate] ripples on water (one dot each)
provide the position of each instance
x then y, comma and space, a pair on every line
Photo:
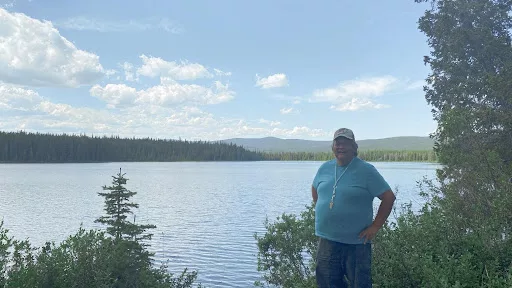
206, 213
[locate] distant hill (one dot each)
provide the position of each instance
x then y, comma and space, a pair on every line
273, 144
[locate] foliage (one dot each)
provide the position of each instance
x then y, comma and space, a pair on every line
424, 250
286, 250
469, 88
91, 258
22, 147
273, 144
462, 237
118, 208
368, 155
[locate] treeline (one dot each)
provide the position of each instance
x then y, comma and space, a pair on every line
42, 148
23, 147
368, 155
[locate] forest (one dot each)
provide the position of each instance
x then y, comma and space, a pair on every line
462, 235
368, 155
23, 147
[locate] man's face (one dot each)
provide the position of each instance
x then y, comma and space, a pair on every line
343, 148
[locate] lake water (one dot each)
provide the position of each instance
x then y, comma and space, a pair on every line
206, 213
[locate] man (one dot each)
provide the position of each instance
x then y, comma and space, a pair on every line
343, 191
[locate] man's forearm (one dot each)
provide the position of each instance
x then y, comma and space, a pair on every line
383, 213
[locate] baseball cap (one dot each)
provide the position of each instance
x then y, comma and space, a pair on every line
344, 132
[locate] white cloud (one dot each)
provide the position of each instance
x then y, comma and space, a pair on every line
110, 72
78, 116
355, 95
272, 81
91, 24
358, 104
191, 117
188, 122
294, 100
156, 67
115, 95
128, 72
47, 116
289, 110
17, 98
8, 4
298, 131
269, 122
168, 93
243, 129
32, 52
416, 85
185, 121
175, 93
219, 72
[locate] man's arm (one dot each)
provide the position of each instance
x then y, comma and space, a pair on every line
386, 205
314, 194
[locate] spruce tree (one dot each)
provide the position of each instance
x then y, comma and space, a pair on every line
118, 207
132, 262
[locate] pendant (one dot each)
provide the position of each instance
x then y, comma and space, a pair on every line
331, 204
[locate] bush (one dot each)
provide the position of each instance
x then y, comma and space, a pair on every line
286, 250
423, 249
90, 258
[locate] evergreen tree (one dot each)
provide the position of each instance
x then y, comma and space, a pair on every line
118, 207
132, 260
91, 258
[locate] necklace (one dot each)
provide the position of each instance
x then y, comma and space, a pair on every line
336, 183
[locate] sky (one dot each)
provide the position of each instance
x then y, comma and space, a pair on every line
212, 70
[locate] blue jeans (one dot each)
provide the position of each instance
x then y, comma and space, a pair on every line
343, 265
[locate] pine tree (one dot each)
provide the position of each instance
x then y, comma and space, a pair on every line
132, 261
118, 207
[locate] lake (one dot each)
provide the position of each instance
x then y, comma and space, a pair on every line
206, 213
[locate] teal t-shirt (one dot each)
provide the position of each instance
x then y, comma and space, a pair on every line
352, 211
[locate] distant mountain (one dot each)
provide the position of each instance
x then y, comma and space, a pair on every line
273, 144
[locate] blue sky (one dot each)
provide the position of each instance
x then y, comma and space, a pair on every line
213, 69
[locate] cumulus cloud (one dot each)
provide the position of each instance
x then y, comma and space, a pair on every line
272, 81
8, 4
92, 24
355, 95
17, 98
33, 53
188, 122
129, 74
157, 67
115, 95
243, 129
26, 109
289, 110
185, 121
168, 93
355, 104
269, 122
219, 72
175, 93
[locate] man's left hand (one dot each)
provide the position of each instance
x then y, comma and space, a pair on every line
369, 233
